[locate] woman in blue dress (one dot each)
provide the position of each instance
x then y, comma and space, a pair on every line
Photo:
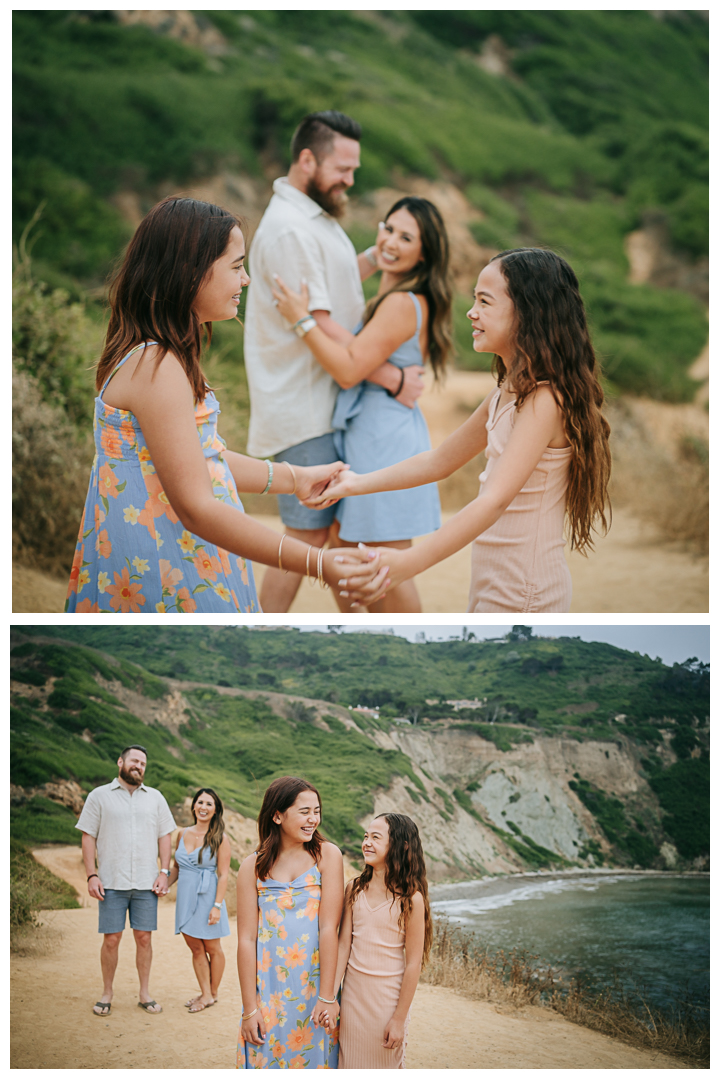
289, 903
202, 863
408, 322
163, 528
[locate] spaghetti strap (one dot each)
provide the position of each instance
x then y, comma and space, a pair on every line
142, 345
418, 313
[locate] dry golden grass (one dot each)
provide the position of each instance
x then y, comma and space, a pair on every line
518, 979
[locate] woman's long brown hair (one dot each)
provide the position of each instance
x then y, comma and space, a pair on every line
430, 277
216, 828
553, 344
404, 873
152, 294
278, 798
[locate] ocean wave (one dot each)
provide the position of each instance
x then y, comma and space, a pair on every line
456, 910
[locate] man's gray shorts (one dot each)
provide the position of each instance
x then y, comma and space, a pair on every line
141, 903
319, 451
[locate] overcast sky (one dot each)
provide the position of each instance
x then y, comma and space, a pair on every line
672, 644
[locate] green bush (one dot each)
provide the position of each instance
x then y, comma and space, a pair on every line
33, 888
41, 821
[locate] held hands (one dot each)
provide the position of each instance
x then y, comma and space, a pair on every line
325, 1014
342, 483
313, 479
413, 385
291, 305
357, 573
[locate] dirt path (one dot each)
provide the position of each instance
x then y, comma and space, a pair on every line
631, 570
53, 1027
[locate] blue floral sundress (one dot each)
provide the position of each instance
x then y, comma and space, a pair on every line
132, 553
288, 978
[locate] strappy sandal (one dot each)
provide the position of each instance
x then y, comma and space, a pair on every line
201, 1006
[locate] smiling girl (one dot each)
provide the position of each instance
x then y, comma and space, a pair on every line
289, 902
545, 439
385, 940
407, 323
163, 528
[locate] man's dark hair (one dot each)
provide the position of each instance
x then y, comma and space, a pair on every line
317, 131
135, 746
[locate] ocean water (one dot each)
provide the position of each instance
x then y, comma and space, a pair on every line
649, 932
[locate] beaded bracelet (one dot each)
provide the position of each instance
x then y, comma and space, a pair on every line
271, 468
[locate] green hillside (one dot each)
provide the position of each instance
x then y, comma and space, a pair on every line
68, 725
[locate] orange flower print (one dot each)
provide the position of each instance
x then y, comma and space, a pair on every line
157, 504
285, 900
110, 442
207, 566
266, 961
282, 933
235, 600
300, 1037
311, 908
224, 561
295, 955
76, 567
99, 517
87, 607
107, 482
273, 917
127, 431
242, 567
298, 1062
257, 1060
126, 594
185, 601
169, 577
281, 973
103, 545
278, 1050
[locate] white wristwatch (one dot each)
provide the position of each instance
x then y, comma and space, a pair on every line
304, 326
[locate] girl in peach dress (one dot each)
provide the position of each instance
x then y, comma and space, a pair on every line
385, 939
545, 439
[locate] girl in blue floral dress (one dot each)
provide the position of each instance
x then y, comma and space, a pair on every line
289, 903
163, 528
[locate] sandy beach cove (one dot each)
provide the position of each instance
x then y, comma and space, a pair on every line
55, 984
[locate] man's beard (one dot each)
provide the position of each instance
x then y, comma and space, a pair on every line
333, 201
133, 779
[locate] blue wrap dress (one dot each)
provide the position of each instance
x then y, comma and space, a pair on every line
196, 891
372, 431
133, 554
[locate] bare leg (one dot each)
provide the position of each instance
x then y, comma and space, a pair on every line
143, 961
403, 598
108, 965
202, 972
280, 589
216, 956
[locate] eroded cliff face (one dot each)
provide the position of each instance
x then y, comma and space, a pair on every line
526, 787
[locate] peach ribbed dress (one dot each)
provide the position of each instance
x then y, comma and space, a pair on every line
518, 564
371, 987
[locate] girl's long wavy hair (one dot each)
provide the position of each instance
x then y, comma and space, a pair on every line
553, 344
430, 277
404, 873
216, 828
152, 294
278, 798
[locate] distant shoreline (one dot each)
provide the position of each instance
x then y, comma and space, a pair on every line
495, 885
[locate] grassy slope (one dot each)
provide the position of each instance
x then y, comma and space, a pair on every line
239, 744
168, 113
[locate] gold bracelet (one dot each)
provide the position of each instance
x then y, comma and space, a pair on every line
311, 582
280, 565
249, 1015
321, 576
292, 471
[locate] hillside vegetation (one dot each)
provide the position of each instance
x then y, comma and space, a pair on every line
77, 698
564, 129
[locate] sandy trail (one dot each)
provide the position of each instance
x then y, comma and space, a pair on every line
53, 1027
631, 570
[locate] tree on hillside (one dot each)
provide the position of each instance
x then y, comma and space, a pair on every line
520, 633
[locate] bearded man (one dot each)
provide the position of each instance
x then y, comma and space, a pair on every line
127, 825
292, 398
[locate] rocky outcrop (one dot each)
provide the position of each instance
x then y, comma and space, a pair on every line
524, 791
66, 792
